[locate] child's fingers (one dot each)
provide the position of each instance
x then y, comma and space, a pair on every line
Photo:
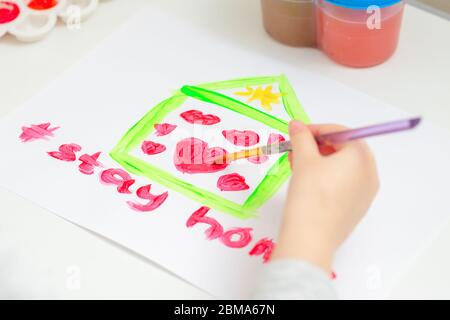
321, 129
358, 153
304, 146
290, 160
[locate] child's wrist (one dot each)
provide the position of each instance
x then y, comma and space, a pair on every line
306, 246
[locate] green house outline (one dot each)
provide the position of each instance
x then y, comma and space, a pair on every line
273, 180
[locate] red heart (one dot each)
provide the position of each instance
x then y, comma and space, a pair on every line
273, 138
152, 148
197, 117
244, 138
232, 182
192, 156
163, 129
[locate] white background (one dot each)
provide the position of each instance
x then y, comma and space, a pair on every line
416, 79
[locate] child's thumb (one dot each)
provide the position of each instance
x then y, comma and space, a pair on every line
304, 146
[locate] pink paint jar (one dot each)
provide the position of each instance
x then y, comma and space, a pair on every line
358, 33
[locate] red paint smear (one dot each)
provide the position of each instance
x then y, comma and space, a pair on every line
152, 148
214, 231
89, 162
193, 156
118, 177
42, 4
326, 149
197, 117
244, 234
232, 182
9, 11
258, 159
35, 132
66, 152
273, 138
244, 138
164, 129
263, 247
154, 201
333, 276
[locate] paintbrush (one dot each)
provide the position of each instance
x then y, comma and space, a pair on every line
328, 139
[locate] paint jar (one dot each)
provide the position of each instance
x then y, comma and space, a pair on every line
290, 21
358, 33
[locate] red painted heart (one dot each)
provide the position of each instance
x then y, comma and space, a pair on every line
193, 155
244, 138
197, 117
232, 182
152, 148
163, 129
273, 138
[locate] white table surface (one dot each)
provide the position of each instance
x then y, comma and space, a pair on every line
44, 256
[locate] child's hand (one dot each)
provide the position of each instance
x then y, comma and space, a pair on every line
328, 195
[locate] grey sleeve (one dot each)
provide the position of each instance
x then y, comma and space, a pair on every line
294, 279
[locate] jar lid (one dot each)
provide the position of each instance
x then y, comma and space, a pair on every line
363, 4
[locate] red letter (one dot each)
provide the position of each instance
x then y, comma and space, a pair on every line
154, 201
34, 132
66, 152
214, 231
245, 236
263, 247
119, 177
88, 163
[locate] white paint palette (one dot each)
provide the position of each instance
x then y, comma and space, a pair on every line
32, 20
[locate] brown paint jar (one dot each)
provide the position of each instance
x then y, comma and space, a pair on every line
291, 22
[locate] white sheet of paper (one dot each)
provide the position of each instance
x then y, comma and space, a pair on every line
106, 93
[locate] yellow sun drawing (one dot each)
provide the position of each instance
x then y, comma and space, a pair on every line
265, 96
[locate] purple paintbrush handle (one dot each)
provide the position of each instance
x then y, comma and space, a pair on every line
365, 132
347, 135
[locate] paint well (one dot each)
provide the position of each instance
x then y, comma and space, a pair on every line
42, 4
9, 12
